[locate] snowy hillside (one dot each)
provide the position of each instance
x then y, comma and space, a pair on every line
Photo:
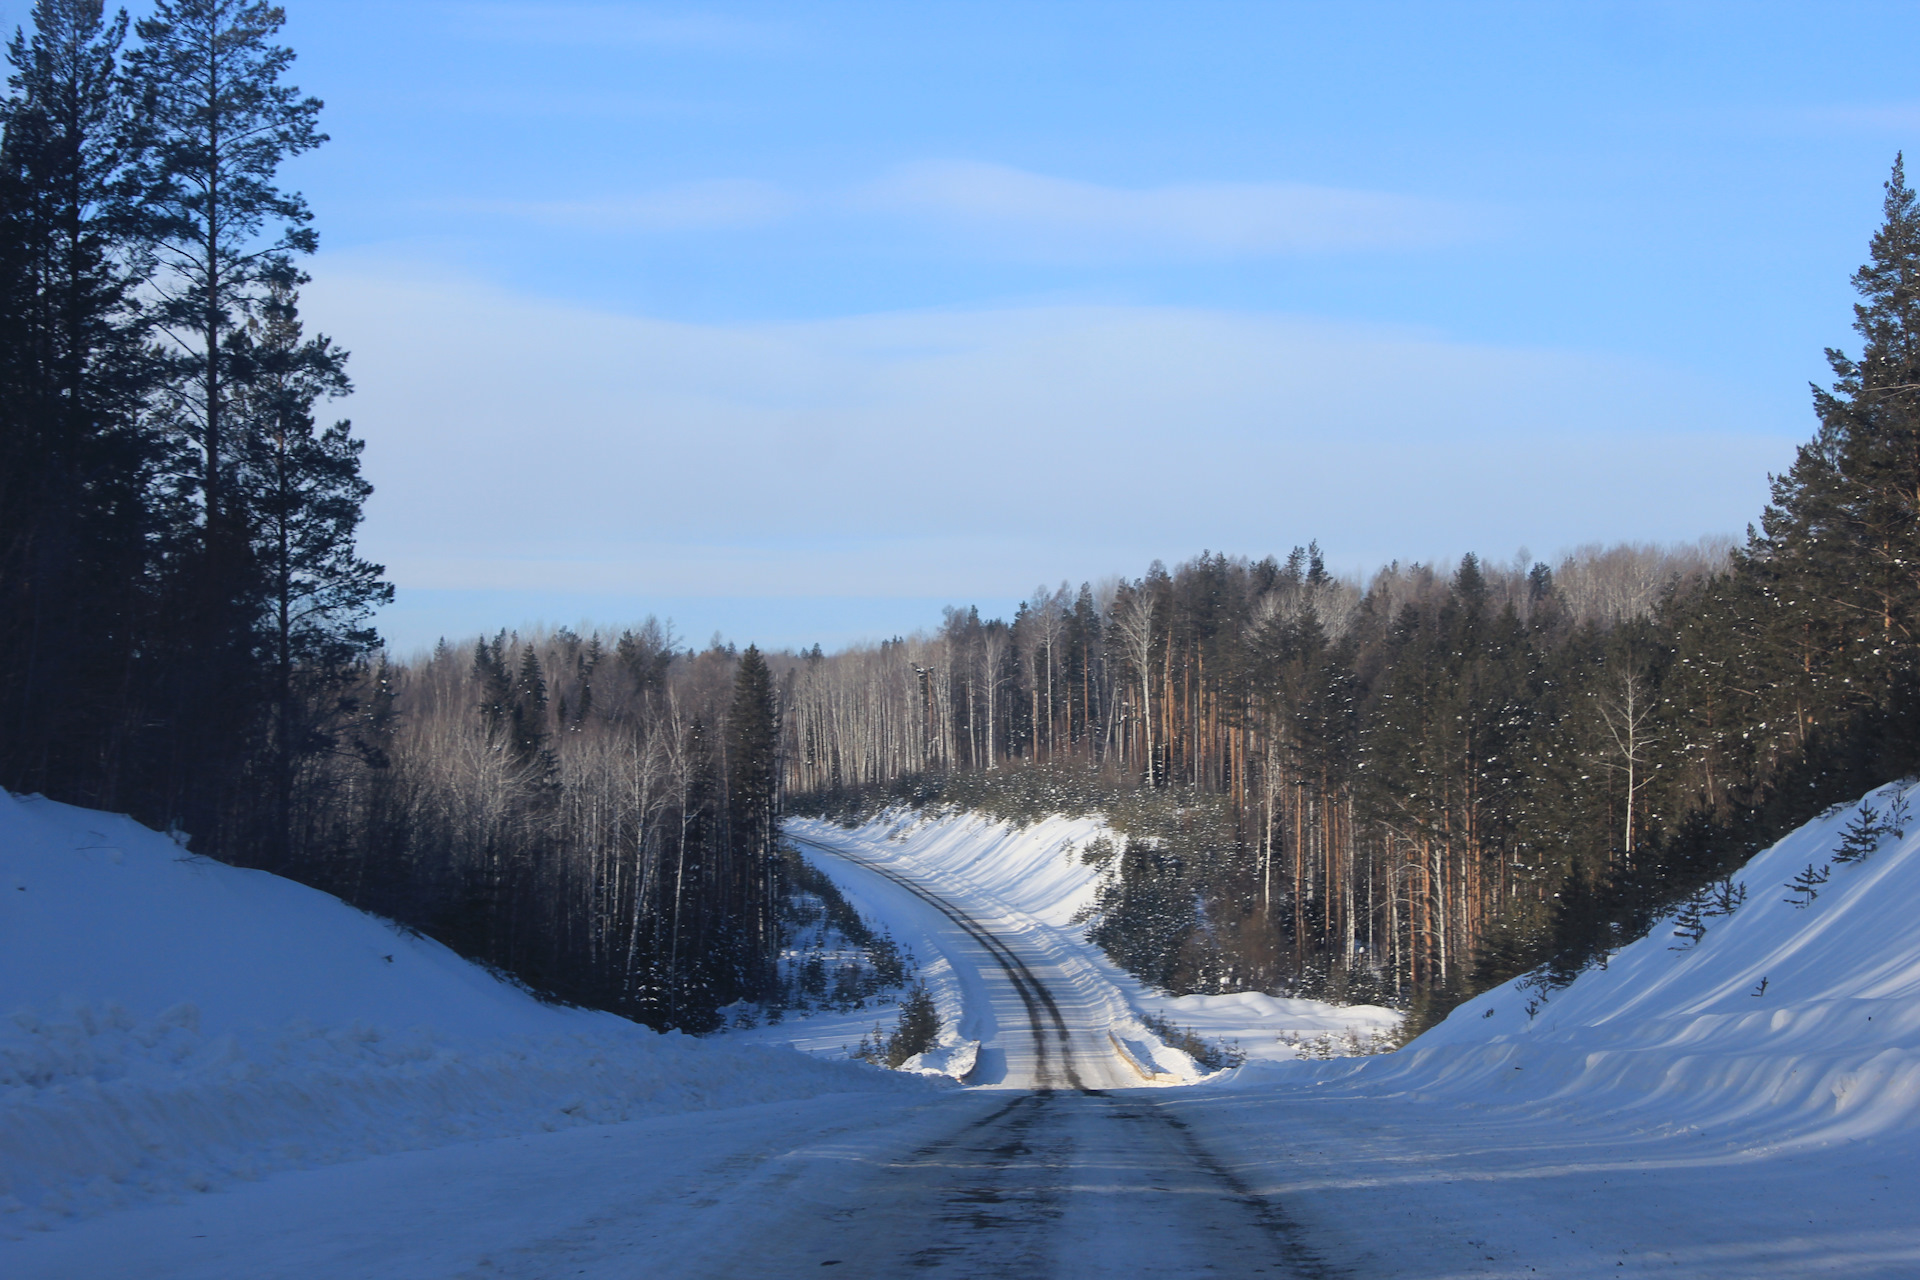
169, 1023
1033, 884
1783, 1021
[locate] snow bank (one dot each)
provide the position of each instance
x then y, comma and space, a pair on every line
1032, 881
1279, 1028
952, 1059
168, 1023
1792, 1023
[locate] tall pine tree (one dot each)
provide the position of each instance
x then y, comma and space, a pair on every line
304, 493
75, 459
219, 235
1837, 560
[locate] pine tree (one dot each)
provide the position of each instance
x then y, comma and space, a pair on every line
1861, 837
304, 493
1690, 925
76, 459
216, 124
919, 1028
1727, 897
1837, 561
218, 235
1805, 886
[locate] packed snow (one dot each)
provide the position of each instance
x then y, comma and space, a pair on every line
1035, 888
171, 1024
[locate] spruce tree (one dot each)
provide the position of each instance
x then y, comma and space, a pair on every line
753, 732
919, 1027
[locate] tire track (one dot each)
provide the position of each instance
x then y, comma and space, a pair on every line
1039, 1002
985, 1206
1003, 1211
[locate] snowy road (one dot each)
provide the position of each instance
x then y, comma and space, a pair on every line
1044, 1016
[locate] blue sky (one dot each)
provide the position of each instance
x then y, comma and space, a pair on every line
798, 321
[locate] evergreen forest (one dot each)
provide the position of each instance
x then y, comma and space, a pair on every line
1404, 788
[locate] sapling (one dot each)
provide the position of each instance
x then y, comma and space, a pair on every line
1806, 885
1861, 836
919, 1028
1727, 897
1691, 924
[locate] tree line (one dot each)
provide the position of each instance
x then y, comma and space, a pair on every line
1440, 778
185, 621
594, 815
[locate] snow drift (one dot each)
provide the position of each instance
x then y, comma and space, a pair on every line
1786, 1021
176, 1023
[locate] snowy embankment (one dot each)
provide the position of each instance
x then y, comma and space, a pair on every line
1784, 1023
168, 1024
1033, 884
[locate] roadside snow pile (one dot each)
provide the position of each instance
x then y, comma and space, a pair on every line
1035, 883
168, 1023
952, 1059
1793, 1016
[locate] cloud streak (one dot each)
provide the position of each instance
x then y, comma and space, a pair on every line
689, 206
969, 454
1021, 214
1202, 219
613, 24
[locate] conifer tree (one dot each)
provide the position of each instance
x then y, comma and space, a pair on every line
76, 459
304, 495
215, 125
214, 122
1837, 559
1805, 885
753, 736
919, 1027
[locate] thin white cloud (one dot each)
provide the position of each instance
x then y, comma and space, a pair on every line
1889, 117
1018, 214
1207, 219
520, 445
686, 206
613, 24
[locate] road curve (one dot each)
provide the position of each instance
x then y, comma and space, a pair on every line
1073, 1055
1082, 1173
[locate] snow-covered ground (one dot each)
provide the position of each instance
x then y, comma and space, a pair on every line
1031, 886
1742, 1107
1794, 1023
1747, 1105
169, 1024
